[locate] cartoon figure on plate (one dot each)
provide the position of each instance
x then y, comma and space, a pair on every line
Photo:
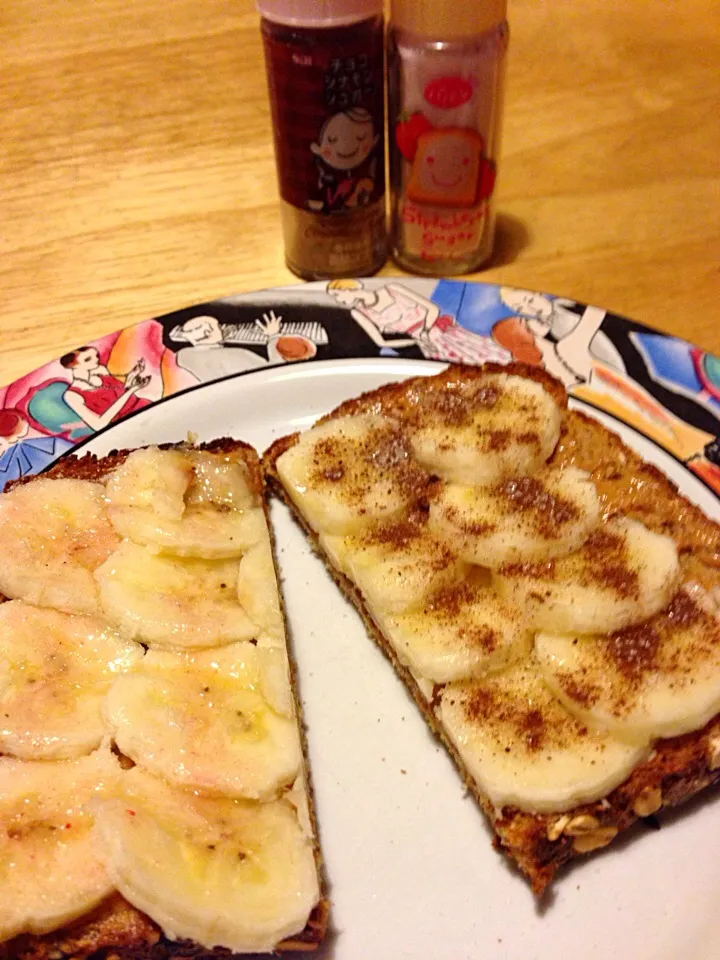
346, 170
97, 397
212, 351
387, 313
546, 333
24, 451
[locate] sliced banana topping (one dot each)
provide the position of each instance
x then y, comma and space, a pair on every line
257, 588
51, 870
53, 534
171, 601
623, 574
351, 472
221, 480
483, 430
203, 721
659, 678
396, 565
464, 630
55, 669
525, 749
519, 520
187, 503
151, 479
219, 872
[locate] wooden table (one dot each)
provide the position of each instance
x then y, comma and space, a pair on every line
138, 176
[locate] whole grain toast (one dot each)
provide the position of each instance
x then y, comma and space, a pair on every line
117, 929
679, 767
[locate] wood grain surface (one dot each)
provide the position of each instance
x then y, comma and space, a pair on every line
137, 172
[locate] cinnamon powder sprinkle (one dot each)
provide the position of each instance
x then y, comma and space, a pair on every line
525, 494
525, 724
498, 440
634, 650
357, 463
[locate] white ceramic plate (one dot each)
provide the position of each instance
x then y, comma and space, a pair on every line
409, 861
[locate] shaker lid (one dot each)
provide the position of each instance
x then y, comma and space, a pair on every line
447, 19
319, 13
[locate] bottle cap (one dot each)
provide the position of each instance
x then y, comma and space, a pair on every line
319, 13
447, 19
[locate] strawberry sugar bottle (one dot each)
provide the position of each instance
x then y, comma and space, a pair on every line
446, 62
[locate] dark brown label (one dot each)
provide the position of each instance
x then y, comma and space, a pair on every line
326, 96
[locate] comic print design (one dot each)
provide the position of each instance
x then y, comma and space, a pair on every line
665, 388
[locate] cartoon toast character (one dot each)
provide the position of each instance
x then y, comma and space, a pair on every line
450, 168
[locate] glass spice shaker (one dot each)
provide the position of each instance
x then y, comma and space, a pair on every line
324, 61
446, 62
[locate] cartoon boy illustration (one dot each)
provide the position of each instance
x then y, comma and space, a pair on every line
346, 172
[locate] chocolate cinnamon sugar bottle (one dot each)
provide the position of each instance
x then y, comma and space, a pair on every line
324, 62
445, 86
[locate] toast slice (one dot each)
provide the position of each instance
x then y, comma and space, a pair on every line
549, 599
150, 704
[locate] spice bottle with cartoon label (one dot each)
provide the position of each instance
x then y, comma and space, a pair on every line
324, 62
446, 64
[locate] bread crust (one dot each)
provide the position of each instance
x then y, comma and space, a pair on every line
116, 930
678, 768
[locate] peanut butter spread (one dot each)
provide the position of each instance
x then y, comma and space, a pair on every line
529, 663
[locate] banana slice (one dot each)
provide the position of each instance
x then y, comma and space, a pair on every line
462, 631
173, 602
51, 870
53, 534
525, 749
396, 565
660, 678
152, 479
201, 721
187, 503
479, 432
221, 479
623, 574
258, 590
351, 472
220, 872
55, 669
521, 519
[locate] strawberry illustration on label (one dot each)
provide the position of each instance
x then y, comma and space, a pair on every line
408, 131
